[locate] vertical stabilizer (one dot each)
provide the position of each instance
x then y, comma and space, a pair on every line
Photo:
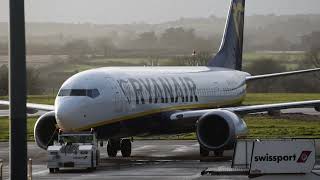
230, 51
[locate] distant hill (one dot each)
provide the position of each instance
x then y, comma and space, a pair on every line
260, 30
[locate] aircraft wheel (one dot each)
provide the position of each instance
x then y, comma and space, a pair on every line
203, 152
218, 153
97, 157
90, 169
125, 147
51, 170
112, 149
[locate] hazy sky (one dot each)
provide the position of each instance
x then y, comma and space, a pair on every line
149, 11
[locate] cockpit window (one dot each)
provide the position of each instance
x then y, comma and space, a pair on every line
64, 92
78, 92
93, 93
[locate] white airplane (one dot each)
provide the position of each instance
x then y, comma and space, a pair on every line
121, 102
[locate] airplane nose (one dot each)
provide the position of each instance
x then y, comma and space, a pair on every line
67, 115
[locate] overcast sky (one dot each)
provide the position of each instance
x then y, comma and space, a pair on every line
149, 11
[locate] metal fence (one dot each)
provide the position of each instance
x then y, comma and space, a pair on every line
29, 175
1, 166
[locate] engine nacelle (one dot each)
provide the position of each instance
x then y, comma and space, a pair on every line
218, 129
45, 130
317, 108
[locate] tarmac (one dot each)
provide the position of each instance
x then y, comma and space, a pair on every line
151, 159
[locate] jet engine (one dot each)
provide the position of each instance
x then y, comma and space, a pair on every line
218, 129
45, 130
317, 108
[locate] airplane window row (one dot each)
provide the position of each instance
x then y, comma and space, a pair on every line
92, 93
218, 91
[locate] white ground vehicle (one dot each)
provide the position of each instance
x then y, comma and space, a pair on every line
74, 150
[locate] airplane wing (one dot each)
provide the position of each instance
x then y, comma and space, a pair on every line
42, 107
243, 110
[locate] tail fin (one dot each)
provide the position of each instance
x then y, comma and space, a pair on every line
230, 51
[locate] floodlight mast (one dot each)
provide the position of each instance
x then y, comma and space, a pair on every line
17, 91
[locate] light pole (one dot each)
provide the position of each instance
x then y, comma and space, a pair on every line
17, 91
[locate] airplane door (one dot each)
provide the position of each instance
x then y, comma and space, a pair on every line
117, 99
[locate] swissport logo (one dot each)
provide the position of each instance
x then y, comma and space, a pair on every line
284, 158
304, 156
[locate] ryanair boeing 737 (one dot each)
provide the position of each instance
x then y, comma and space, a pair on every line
121, 102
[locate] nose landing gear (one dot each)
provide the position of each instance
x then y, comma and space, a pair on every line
205, 153
124, 145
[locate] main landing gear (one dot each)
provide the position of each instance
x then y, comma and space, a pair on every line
114, 145
205, 153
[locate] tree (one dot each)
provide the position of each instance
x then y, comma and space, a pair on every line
105, 46
147, 40
178, 38
280, 44
33, 81
312, 58
265, 66
312, 55
77, 48
311, 41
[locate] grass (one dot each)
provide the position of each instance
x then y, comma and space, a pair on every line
298, 126
269, 98
41, 99
4, 128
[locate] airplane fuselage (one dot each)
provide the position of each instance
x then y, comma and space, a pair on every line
139, 98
